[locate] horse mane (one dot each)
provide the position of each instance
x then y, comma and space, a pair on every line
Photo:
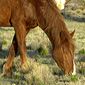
60, 23
54, 6
52, 23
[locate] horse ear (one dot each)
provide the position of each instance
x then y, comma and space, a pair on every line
72, 33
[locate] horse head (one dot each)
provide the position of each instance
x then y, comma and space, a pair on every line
63, 53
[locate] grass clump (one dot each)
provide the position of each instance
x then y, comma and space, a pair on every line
74, 78
78, 11
43, 51
82, 51
37, 81
39, 74
82, 71
4, 42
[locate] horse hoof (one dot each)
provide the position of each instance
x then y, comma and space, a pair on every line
25, 67
7, 71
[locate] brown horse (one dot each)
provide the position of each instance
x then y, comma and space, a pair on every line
24, 15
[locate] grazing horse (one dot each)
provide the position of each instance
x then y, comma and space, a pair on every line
24, 15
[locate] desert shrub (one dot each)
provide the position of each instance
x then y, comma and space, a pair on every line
39, 74
82, 71
82, 51
4, 42
82, 2
36, 81
83, 14
48, 60
56, 71
42, 50
0, 45
78, 11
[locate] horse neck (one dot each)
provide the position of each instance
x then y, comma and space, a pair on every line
50, 20
44, 11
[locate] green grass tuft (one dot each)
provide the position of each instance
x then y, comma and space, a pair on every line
74, 78
82, 51
43, 51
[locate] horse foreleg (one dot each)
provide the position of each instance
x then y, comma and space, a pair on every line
12, 53
21, 32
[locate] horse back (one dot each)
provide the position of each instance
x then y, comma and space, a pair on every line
5, 12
